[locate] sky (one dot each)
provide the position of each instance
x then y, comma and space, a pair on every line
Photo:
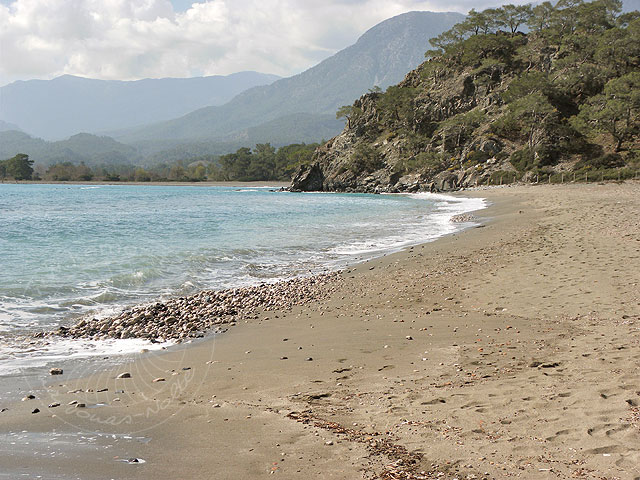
133, 39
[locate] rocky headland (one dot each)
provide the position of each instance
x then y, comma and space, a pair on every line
493, 106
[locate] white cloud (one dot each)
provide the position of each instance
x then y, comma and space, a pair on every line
131, 39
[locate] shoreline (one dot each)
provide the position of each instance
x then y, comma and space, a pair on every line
458, 357
252, 184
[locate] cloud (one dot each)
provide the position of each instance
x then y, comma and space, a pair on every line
132, 39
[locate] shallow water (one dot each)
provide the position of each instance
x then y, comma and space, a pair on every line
73, 250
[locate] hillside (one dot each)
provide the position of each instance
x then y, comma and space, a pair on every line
58, 108
6, 127
497, 105
380, 57
83, 147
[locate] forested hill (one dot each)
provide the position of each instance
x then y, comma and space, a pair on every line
493, 102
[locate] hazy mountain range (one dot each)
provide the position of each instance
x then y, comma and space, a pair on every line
55, 109
290, 110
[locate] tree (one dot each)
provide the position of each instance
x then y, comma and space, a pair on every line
349, 112
616, 111
19, 167
141, 175
526, 84
397, 102
618, 49
479, 22
263, 162
512, 16
541, 16
532, 113
460, 126
236, 165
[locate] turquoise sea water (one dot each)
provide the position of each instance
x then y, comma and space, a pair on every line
73, 250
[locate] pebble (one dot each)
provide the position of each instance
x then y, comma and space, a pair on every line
193, 316
54, 405
309, 359
124, 375
409, 337
36, 410
329, 442
28, 397
56, 371
159, 379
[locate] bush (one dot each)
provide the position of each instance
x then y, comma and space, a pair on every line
365, 159
427, 163
522, 160
474, 157
610, 160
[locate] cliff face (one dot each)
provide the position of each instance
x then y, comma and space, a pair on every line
494, 108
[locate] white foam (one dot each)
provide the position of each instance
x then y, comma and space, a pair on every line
429, 227
18, 357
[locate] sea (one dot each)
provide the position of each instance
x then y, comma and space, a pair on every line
69, 251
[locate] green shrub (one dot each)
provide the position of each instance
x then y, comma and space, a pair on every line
365, 159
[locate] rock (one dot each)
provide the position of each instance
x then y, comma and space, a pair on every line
309, 359
81, 405
28, 397
35, 410
409, 337
54, 405
550, 365
124, 375
55, 371
308, 178
329, 442
159, 379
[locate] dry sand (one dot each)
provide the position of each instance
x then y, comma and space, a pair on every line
510, 350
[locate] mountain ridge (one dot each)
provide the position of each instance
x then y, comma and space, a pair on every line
320, 89
58, 108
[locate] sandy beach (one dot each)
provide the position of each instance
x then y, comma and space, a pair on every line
510, 350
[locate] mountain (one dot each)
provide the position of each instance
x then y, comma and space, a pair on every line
561, 102
380, 57
91, 149
58, 108
6, 126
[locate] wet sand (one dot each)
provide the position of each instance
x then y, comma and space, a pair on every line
510, 350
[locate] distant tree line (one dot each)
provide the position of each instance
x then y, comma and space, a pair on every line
264, 162
19, 167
